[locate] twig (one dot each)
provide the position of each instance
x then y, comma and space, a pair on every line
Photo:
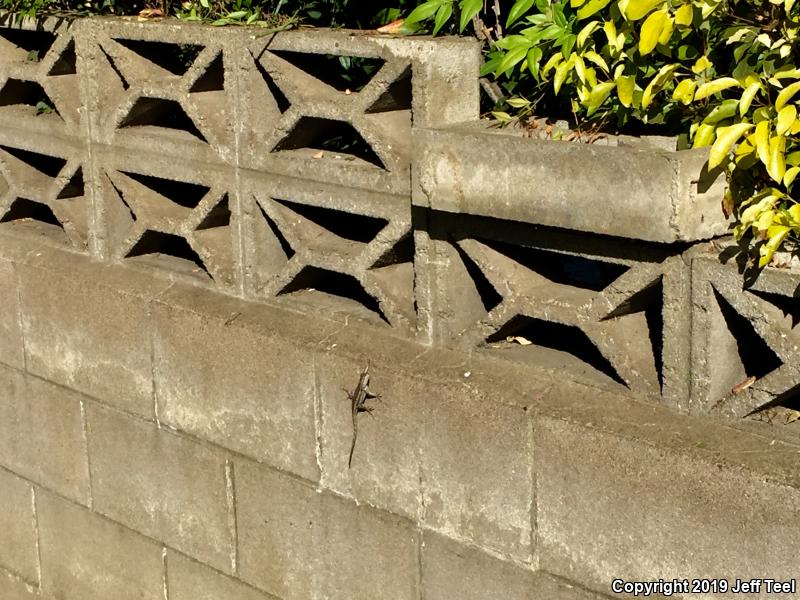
497, 27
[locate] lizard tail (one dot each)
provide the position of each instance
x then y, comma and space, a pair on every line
352, 448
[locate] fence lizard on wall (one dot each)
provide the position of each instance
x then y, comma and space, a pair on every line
358, 399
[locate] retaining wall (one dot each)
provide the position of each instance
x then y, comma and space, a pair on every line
205, 236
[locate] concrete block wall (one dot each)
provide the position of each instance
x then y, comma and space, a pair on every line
227, 476
202, 253
260, 166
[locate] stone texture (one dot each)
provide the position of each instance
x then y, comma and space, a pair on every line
41, 434
18, 524
611, 506
190, 580
11, 350
249, 390
640, 194
86, 557
454, 570
161, 484
66, 342
297, 543
440, 450
14, 588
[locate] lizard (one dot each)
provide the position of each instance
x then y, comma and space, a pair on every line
358, 400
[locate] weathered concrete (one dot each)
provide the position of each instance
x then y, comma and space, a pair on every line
19, 551
178, 495
199, 270
42, 435
86, 556
643, 194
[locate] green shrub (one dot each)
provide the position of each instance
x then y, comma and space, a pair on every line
723, 74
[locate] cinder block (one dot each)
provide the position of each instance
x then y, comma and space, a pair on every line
87, 557
190, 580
18, 524
297, 543
41, 434
86, 327
610, 506
166, 87
161, 484
742, 333
445, 450
11, 351
38, 64
169, 215
14, 588
454, 570
226, 378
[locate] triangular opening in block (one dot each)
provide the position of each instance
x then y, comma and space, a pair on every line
757, 358
117, 72
175, 58
66, 64
29, 93
44, 163
24, 209
650, 301
561, 268
789, 306
350, 226
281, 101
212, 79
283, 243
490, 298
74, 187
31, 44
339, 285
171, 251
183, 193
564, 339
402, 252
337, 137
219, 216
340, 72
396, 97
158, 112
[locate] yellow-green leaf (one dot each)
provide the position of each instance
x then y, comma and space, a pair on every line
751, 213
684, 91
747, 98
777, 234
591, 7
726, 138
598, 95
636, 9
683, 16
552, 62
786, 94
625, 87
562, 71
786, 118
651, 31
788, 179
704, 136
596, 59
610, 29
666, 31
576, 3
701, 65
714, 87
762, 141
662, 77
764, 220
794, 213
776, 165
580, 66
584, 33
